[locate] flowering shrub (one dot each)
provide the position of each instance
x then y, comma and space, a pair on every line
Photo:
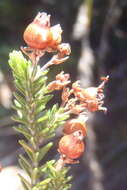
37, 123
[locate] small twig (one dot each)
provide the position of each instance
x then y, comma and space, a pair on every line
55, 60
59, 164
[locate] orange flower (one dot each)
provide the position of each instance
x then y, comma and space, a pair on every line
39, 34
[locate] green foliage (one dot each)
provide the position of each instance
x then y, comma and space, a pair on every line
54, 179
36, 124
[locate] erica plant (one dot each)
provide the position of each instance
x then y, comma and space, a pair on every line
37, 123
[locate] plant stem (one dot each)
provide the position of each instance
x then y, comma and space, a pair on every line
31, 107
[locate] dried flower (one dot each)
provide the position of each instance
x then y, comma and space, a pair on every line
73, 125
90, 98
62, 77
95, 106
78, 108
65, 95
71, 104
64, 49
71, 146
37, 35
77, 90
56, 32
60, 82
40, 35
55, 85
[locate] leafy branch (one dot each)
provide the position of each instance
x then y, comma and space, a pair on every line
36, 123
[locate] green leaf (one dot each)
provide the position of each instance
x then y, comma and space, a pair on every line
42, 169
34, 71
18, 64
42, 184
27, 149
54, 109
20, 120
50, 136
21, 112
37, 88
44, 72
16, 58
44, 132
52, 169
20, 99
25, 183
68, 186
17, 104
23, 130
40, 79
43, 99
43, 151
42, 118
20, 86
41, 103
40, 74
35, 174
32, 141
40, 108
29, 72
69, 178
25, 164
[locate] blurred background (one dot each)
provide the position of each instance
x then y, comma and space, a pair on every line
97, 33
